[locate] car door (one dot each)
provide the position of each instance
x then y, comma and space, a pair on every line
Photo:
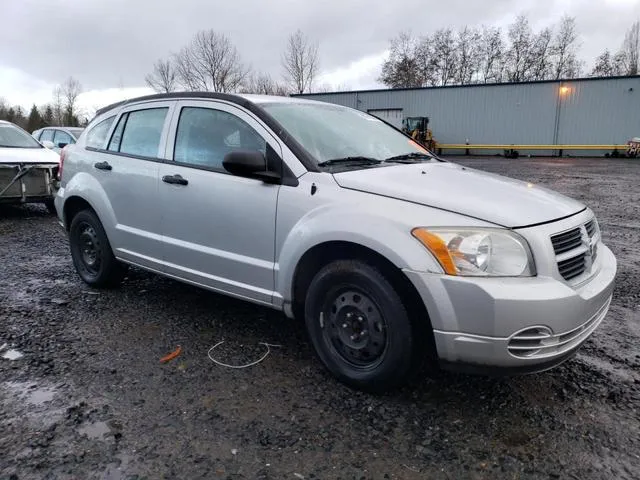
127, 169
218, 229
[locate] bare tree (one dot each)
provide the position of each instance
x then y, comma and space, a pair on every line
58, 106
163, 78
210, 63
402, 67
519, 57
541, 55
491, 55
565, 50
263, 84
468, 48
631, 49
300, 62
424, 54
620, 63
328, 87
71, 89
607, 65
445, 56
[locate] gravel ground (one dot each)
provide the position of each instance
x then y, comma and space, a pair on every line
90, 398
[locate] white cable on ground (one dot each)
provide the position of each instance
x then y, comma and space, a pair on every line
268, 345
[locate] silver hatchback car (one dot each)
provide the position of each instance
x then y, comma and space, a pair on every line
390, 255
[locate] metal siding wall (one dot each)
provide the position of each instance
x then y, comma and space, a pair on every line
602, 112
593, 112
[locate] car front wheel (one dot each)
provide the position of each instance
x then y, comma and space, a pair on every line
91, 252
359, 327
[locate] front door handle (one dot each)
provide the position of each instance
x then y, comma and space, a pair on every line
103, 166
175, 180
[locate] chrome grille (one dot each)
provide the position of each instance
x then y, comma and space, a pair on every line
563, 242
576, 249
591, 228
572, 267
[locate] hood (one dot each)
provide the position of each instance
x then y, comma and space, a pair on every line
28, 155
486, 196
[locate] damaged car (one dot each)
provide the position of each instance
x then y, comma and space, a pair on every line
28, 170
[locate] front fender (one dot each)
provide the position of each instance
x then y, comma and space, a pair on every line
86, 187
330, 223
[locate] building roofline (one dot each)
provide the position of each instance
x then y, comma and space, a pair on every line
470, 85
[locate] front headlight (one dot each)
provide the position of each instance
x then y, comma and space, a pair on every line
485, 252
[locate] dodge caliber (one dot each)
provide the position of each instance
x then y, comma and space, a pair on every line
392, 257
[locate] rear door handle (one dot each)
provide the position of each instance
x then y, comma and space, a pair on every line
102, 166
175, 180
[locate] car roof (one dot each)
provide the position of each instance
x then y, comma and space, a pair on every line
240, 98
62, 128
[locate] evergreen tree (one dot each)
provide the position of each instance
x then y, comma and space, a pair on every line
48, 116
35, 120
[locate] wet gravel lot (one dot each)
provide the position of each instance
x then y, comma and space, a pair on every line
90, 398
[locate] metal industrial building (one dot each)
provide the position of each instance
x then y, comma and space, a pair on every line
585, 111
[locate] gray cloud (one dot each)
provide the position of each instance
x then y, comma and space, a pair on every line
106, 43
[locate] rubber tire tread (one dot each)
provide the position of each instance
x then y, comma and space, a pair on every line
111, 270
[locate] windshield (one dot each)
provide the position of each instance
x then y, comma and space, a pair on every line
76, 132
13, 137
330, 132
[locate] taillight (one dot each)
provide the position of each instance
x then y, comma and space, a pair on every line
63, 154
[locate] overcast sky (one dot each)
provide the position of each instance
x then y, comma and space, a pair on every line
109, 45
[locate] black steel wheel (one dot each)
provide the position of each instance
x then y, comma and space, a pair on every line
359, 326
91, 252
355, 328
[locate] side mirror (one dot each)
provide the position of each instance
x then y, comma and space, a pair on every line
62, 144
48, 144
249, 163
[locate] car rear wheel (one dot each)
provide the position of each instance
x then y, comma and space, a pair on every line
359, 327
91, 252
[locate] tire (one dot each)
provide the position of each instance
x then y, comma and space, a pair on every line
51, 207
91, 252
359, 327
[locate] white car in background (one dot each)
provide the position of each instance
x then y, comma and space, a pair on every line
56, 138
28, 171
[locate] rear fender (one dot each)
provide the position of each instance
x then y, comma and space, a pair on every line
86, 187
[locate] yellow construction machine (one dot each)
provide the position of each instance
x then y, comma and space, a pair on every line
418, 129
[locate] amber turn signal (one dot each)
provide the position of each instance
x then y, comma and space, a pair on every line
437, 247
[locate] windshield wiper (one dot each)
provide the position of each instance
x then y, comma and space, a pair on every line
350, 161
409, 157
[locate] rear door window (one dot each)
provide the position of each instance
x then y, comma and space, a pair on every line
98, 134
142, 132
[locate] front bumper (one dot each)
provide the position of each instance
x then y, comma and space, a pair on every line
27, 183
476, 320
